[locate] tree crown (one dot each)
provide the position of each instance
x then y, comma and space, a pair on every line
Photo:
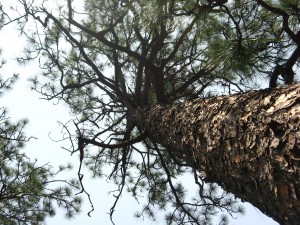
105, 60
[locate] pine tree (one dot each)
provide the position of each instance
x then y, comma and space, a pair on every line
134, 71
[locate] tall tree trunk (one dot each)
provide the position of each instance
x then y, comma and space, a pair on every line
247, 143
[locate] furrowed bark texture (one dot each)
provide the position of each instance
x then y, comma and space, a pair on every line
247, 143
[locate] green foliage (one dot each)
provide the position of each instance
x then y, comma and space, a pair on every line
29, 192
105, 60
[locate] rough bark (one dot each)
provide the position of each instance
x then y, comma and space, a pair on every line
247, 143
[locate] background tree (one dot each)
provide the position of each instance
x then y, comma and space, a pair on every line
28, 191
109, 61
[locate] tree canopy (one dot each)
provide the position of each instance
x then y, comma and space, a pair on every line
105, 59
29, 191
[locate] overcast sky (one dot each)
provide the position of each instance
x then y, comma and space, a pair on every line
43, 123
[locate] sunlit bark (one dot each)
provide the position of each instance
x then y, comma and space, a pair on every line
247, 143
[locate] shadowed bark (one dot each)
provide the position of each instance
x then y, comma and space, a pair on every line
247, 143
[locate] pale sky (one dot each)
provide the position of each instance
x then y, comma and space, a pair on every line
43, 117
